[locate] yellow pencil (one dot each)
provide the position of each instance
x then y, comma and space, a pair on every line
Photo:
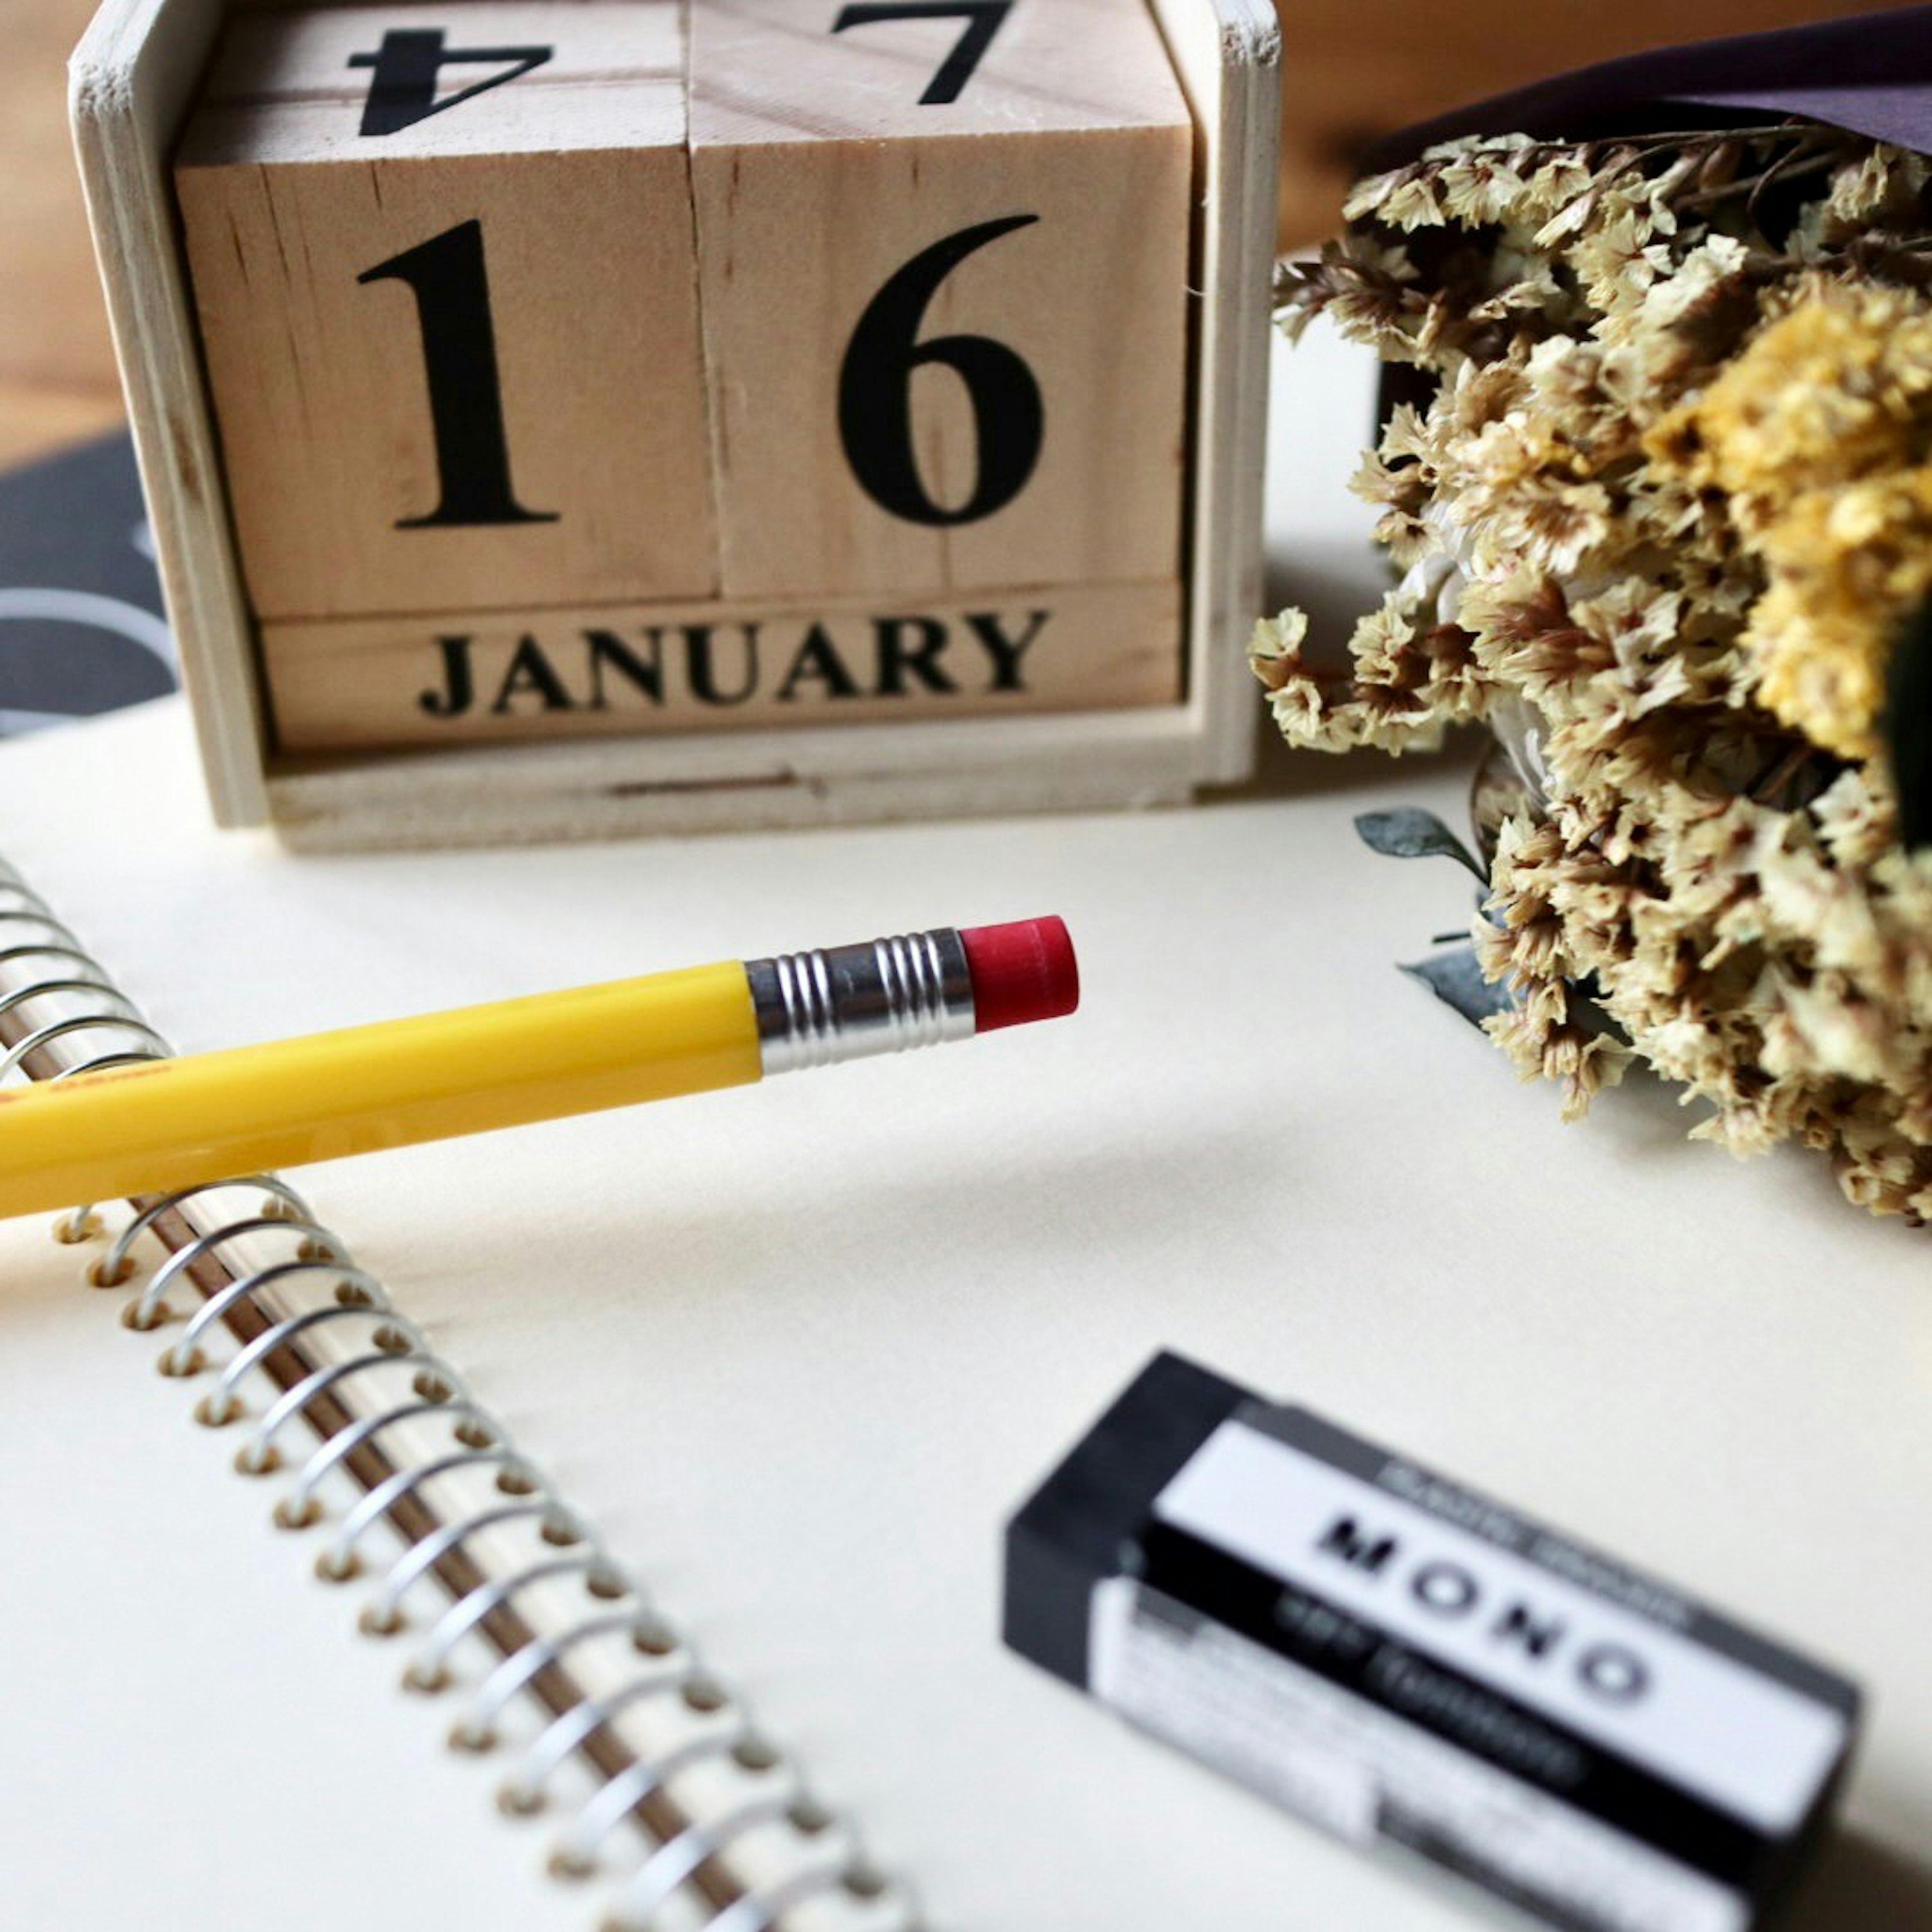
147, 1127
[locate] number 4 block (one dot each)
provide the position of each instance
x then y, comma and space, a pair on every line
943, 250
445, 284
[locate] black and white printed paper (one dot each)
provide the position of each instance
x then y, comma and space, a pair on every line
81, 630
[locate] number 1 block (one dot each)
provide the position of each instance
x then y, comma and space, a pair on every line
446, 289
943, 251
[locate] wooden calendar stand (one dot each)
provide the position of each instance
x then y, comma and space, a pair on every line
134, 80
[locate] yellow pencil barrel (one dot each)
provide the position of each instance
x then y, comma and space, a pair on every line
147, 1128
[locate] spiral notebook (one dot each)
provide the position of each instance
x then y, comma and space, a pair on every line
784, 1359
767, 1369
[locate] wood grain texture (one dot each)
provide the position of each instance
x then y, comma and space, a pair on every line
1228, 58
58, 382
313, 54
566, 190
819, 177
457, 678
131, 81
35, 418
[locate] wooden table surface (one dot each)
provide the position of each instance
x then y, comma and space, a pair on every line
57, 379
1349, 71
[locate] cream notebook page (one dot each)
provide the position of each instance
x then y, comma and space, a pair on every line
798, 1349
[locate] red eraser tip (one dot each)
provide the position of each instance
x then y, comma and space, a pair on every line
1021, 972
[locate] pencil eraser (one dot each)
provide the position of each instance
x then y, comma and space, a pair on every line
1407, 1662
1022, 972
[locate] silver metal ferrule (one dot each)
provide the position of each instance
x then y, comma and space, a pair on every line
847, 1001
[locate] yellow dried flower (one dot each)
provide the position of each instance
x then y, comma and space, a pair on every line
1817, 434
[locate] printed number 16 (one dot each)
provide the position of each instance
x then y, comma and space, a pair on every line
447, 277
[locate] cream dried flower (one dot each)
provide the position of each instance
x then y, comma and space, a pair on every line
1661, 508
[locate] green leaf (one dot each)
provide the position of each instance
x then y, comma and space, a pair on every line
1410, 833
1457, 981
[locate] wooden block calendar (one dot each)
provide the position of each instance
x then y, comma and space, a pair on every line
569, 416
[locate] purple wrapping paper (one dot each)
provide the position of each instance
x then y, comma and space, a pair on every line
1871, 73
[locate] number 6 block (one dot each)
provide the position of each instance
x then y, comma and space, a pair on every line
943, 248
446, 285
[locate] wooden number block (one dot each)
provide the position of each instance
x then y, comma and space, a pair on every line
452, 679
943, 249
445, 283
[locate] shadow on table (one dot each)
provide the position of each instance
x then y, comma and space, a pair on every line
1859, 1883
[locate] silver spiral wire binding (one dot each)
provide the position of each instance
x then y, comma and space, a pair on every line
10, 881
67, 956
110, 1272
344, 1443
673, 1861
475, 1730
396, 1340
430, 1668
181, 1358
574, 1854
338, 1560
386, 1606
761, 1911
226, 1406
61, 1015
40, 988
49, 949
64, 944
56, 1030
523, 1790
31, 909
148, 1309
27, 909
278, 1334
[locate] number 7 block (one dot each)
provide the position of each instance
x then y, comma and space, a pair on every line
446, 289
943, 252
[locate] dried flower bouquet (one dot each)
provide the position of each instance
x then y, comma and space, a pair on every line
1662, 505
